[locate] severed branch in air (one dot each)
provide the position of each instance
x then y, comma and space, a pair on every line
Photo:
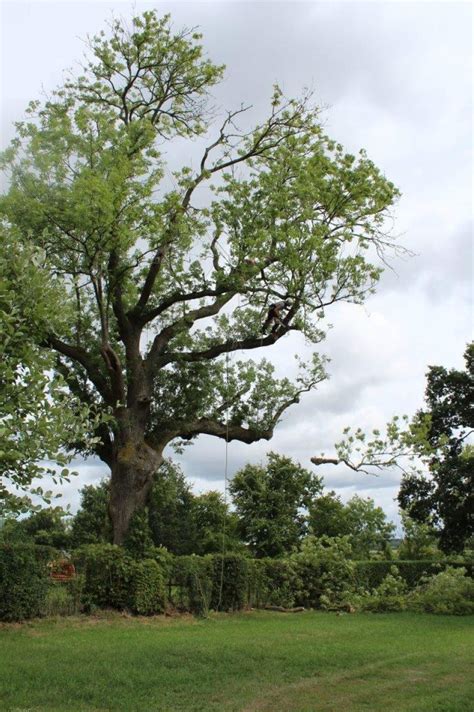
403, 447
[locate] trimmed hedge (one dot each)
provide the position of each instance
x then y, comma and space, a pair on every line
370, 574
109, 577
24, 580
113, 579
230, 574
190, 587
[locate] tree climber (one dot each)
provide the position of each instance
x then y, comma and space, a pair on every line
274, 315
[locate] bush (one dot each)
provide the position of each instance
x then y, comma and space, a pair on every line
450, 591
108, 574
388, 596
192, 583
370, 574
148, 591
326, 572
201, 583
23, 581
115, 580
229, 582
279, 583
59, 601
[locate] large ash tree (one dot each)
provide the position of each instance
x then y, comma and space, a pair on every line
165, 278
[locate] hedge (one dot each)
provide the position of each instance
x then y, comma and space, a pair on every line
370, 574
24, 580
113, 579
109, 577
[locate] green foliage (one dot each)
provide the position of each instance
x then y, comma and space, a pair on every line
364, 523
327, 516
115, 580
449, 592
131, 251
108, 575
326, 570
23, 581
37, 414
202, 583
446, 498
91, 524
138, 540
273, 582
148, 595
192, 583
271, 503
229, 584
170, 511
419, 541
64, 598
389, 595
45, 527
215, 527
174, 518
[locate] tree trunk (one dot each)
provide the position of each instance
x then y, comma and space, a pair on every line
132, 476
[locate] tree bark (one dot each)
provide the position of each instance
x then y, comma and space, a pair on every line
133, 467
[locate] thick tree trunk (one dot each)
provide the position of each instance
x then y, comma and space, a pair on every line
132, 477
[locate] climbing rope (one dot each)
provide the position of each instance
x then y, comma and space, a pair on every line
226, 475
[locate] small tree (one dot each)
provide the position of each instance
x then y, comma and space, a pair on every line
162, 285
271, 503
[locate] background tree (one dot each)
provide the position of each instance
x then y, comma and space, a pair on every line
368, 527
446, 498
174, 517
364, 524
419, 540
161, 284
91, 525
271, 504
433, 452
46, 527
171, 511
327, 516
216, 526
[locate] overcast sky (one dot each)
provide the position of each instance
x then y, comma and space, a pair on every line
396, 79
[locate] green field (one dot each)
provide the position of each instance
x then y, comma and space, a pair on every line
252, 661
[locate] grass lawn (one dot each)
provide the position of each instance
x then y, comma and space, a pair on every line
249, 661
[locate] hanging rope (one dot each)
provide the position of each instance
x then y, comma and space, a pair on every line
226, 474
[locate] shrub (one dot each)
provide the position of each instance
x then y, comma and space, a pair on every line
115, 580
280, 583
388, 596
148, 590
370, 574
326, 572
23, 581
108, 574
58, 601
450, 591
192, 583
229, 582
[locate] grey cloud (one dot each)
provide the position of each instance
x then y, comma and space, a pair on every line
396, 80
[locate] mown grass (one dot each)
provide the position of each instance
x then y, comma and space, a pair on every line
253, 661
